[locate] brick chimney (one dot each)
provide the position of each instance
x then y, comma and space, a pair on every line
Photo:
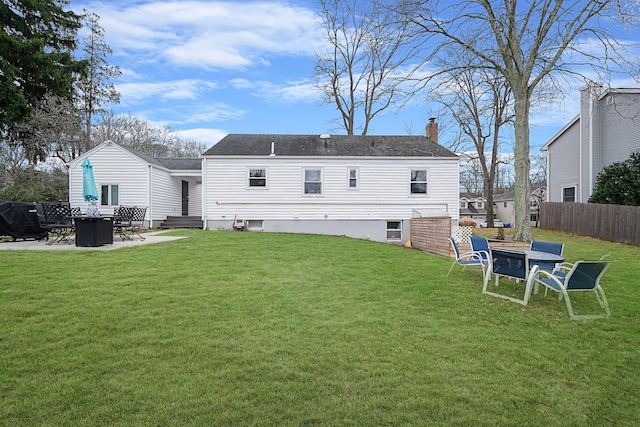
432, 130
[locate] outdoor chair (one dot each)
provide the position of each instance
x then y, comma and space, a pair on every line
549, 247
583, 276
480, 246
122, 222
512, 265
466, 259
57, 221
137, 221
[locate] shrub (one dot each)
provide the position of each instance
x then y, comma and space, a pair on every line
468, 222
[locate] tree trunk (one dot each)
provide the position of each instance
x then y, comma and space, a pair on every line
522, 165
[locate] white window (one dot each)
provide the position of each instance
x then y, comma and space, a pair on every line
257, 178
419, 182
569, 194
109, 195
463, 205
313, 181
353, 179
479, 205
394, 230
254, 224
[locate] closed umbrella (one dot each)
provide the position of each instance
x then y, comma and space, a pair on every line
89, 190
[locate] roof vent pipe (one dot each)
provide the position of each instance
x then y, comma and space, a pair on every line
273, 149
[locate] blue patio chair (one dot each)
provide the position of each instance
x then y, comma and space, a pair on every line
548, 247
465, 259
480, 246
510, 264
583, 276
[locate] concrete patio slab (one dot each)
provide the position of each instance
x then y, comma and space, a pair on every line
41, 245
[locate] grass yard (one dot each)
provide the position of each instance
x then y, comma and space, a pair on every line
229, 328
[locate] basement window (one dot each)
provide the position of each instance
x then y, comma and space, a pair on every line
394, 230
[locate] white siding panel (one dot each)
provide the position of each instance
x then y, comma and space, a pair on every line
113, 166
166, 195
383, 191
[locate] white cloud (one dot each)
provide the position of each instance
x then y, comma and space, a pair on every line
206, 136
291, 92
208, 34
169, 90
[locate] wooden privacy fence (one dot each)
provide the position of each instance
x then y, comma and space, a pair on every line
614, 223
431, 234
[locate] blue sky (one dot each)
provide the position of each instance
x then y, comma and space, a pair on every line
210, 68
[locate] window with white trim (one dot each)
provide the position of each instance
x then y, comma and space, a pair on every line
419, 181
313, 181
569, 194
353, 179
394, 230
109, 195
257, 177
463, 205
480, 205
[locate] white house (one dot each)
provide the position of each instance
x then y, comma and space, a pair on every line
360, 186
505, 206
473, 206
167, 187
606, 131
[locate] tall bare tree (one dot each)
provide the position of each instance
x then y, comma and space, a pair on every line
480, 102
138, 134
529, 44
95, 88
368, 62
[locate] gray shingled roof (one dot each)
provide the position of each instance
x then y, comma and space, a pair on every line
336, 145
169, 163
182, 164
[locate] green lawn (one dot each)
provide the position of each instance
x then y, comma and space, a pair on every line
230, 328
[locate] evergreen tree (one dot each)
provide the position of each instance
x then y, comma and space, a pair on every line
37, 41
94, 88
619, 183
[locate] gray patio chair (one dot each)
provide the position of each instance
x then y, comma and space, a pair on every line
466, 259
584, 276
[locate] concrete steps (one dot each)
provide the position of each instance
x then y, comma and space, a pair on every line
182, 222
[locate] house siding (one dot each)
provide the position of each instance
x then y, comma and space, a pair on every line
607, 132
109, 164
383, 194
563, 163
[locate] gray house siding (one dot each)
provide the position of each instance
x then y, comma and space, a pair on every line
606, 131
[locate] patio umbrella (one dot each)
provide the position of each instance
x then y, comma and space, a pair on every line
89, 190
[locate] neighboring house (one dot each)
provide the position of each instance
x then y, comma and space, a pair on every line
166, 187
360, 186
473, 206
606, 131
504, 206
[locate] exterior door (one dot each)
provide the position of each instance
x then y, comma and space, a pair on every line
185, 198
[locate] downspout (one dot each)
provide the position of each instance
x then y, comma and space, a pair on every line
203, 175
150, 196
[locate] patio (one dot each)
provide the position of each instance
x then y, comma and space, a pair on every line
41, 245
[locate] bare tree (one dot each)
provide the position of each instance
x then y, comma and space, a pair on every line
529, 44
365, 69
138, 134
94, 88
53, 130
480, 102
